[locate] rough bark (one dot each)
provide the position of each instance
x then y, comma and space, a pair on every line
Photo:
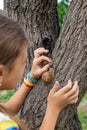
71, 62
39, 19
3, 12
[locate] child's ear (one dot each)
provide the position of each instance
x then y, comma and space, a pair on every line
1, 73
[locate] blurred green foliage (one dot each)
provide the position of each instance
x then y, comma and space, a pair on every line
62, 8
84, 99
5, 95
83, 119
82, 112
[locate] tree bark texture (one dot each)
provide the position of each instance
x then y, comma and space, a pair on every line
69, 54
39, 19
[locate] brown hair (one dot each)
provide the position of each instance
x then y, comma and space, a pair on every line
12, 39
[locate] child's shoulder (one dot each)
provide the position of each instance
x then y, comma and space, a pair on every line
6, 123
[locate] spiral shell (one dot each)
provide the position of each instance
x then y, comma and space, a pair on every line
47, 76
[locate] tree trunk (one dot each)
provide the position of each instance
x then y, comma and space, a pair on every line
39, 19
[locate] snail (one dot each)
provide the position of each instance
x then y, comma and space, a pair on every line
47, 76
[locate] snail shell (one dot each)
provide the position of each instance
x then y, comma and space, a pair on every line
47, 76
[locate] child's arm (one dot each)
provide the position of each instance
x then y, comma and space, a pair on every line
13, 105
16, 101
50, 119
57, 100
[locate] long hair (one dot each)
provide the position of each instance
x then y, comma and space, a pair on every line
12, 39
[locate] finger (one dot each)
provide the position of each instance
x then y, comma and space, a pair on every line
73, 101
43, 58
45, 68
55, 87
75, 95
38, 52
73, 90
67, 88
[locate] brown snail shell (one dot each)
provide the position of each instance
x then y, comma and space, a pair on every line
47, 76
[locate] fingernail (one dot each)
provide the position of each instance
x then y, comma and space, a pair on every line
56, 82
48, 65
47, 50
76, 82
69, 81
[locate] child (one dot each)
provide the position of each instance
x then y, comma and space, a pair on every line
13, 55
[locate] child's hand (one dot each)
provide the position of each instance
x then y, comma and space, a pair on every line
37, 70
58, 99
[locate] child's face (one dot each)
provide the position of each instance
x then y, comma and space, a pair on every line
11, 78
